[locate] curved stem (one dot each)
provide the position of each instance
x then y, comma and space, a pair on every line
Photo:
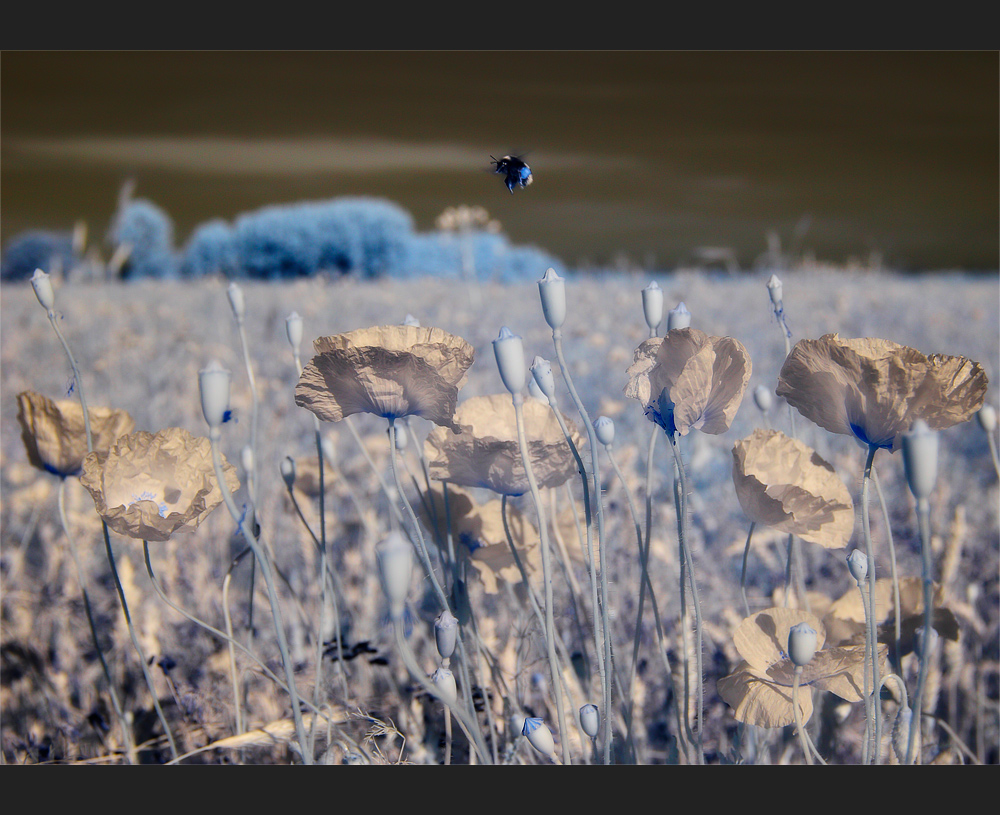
872, 624
76, 376
892, 567
924, 519
743, 573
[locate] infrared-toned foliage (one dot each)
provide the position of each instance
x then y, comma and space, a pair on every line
148, 234
36, 249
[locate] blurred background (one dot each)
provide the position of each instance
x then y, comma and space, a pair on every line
640, 159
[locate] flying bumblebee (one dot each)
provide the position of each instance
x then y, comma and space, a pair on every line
515, 171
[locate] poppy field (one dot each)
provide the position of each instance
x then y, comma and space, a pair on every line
687, 518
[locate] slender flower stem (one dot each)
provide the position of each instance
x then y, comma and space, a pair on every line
743, 572
867, 680
892, 566
135, 639
265, 567
924, 522
803, 736
872, 635
601, 542
115, 701
522, 441
76, 377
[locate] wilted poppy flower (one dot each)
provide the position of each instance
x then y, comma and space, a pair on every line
485, 452
480, 540
689, 381
150, 485
875, 389
782, 483
55, 435
391, 371
760, 689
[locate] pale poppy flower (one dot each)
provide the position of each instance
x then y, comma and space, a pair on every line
876, 389
485, 453
782, 483
688, 380
760, 690
391, 371
480, 540
54, 432
150, 485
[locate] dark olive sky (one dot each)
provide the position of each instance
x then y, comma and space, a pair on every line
649, 155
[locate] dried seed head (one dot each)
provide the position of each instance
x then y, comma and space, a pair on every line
652, 305
214, 382
509, 351
920, 455
552, 290
678, 317
293, 330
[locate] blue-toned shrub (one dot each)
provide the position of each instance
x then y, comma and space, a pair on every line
37, 249
367, 236
150, 233
439, 254
211, 249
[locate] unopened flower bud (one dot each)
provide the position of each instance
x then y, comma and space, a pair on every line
920, 455
901, 734
42, 284
678, 317
444, 681
763, 398
293, 330
288, 471
774, 289
237, 301
590, 716
652, 305
604, 429
857, 564
552, 290
539, 736
801, 643
509, 351
214, 382
446, 633
541, 373
395, 565
987, 418
246, 458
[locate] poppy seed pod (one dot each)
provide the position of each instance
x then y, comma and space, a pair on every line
446, 633
590, 717
288, 471
774, 289
444, 681
395, 565
237, 301
763, 398
293, 330
552, 290
509, 351
541, 373
678, 317
42, 284
214, 382
801, 643
652, 305
920, 455
539, 736
857, 564
536, 392
604, 428
987, 418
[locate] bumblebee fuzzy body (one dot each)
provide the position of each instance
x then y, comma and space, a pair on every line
516, 173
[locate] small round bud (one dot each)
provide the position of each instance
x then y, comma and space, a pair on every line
395, 565
590, 716
801, 643
652, 305
857, 564
293, 330
444, 681
509, 351
920, 455
446, 633
763, 398
774, 289
539, 736
987, 418
604, 429
288, 471
552, 290
42, 284
237, 301
541, 373
214, 382
246, 458
678, 317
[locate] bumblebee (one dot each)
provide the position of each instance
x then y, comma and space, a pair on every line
515, 171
